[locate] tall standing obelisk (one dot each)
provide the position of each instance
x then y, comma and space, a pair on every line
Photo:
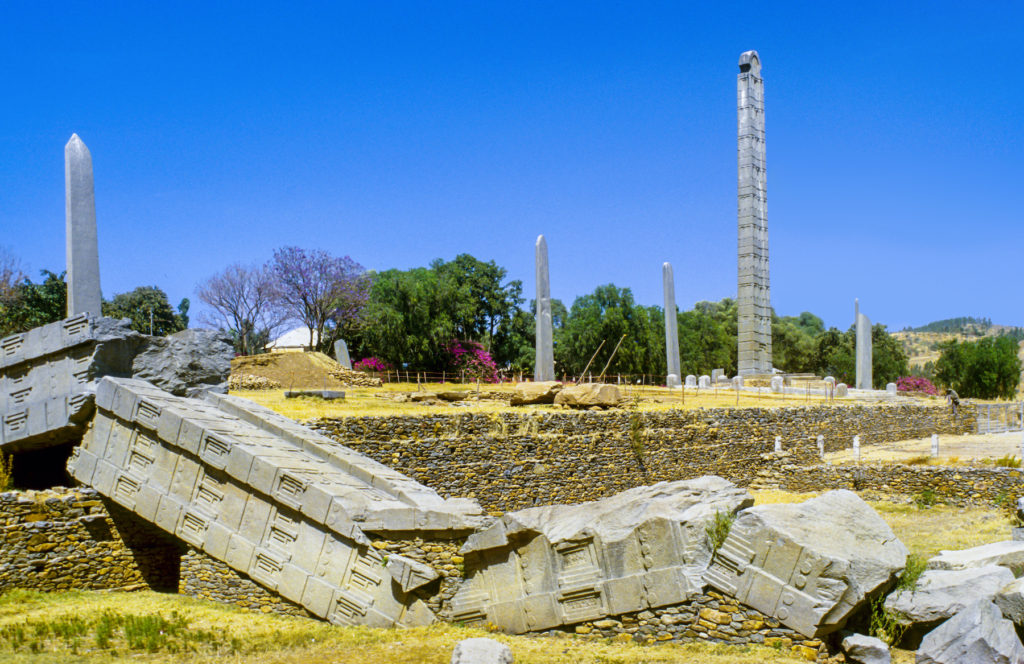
544, 368
753, 301
83, 259
671, 327
864, 356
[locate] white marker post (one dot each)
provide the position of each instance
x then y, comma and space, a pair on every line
821, 446
935, 445
856, 449
778, 443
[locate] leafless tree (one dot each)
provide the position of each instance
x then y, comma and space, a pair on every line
11, 273
244, 300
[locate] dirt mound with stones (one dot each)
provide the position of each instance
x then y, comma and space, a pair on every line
294, 370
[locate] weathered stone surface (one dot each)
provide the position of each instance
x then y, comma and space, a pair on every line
83, 259
341, 354
544, 366
704, 382
481, 651
691, 381
671, 327
842, 390
268, 497
941, 593
1010, 600
186, 363
410, 574
454, 395
864, 357
810, 564
530, 393
890, 389
48, 378
754, 324
588, 395
978, 634
564, 564
860, 649
778, 384
1007, 554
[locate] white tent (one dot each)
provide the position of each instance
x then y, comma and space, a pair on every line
297, 339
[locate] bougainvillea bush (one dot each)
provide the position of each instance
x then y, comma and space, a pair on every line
371, 364
916, 384
471, 358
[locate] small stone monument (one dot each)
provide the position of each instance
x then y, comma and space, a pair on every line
716, 375
83, 259
691, 381
704, 382
671, 327
341, 353
737, 381
890, 388
778, 384
842, 390
935, 444
856, 448
778, 443
821, 446
544, 368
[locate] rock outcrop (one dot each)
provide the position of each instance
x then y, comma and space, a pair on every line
564, 564
186, 363
1010, 600
810, 564
860, 649
978, 634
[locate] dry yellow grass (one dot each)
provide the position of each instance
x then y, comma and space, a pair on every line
361, 401
287, 640
924, 531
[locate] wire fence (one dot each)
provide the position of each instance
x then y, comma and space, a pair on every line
1000, 417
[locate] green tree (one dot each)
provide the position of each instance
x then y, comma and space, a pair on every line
985, 369
483, 303
608, 314
28, 305
836, 355
888, 359
704, 342
149, 311
794, 342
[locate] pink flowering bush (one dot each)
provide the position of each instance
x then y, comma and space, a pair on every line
471, 358
371, 364
916, 384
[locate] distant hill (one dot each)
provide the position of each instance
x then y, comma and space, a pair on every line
969, 326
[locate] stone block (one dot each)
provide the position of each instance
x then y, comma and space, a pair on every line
691, 381
589, 395
977, 633
481, 651
810, 565
564, 564
1007, 554
531, 393
860, 649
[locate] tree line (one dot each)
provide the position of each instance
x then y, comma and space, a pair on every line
448, 313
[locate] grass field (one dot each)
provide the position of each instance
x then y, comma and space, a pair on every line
362, 401
95, 627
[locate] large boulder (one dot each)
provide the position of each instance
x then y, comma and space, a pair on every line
481, 651
978, 634
186, 363
860, 649
1007, 554
542, 567
1010, 600
940, 594
810, 564
589, 395
531, 393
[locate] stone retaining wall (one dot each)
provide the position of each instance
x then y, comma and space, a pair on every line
952, 484
208, 578
64, 539
508, 461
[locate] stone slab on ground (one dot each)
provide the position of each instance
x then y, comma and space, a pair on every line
564, 564
941, 593
589, 395
1009, 554
531, 393
810, 564
481, 651
978, 634
1010, 600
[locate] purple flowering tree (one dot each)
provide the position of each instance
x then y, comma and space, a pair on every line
326, 293
471, 358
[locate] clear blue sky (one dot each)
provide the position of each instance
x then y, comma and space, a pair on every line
398, 133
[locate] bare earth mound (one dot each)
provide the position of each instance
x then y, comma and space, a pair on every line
300, 370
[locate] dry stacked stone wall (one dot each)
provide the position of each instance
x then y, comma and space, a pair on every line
64, 539
208, 578
509, 461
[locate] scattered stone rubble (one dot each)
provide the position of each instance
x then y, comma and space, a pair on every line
249, 382
352, 378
